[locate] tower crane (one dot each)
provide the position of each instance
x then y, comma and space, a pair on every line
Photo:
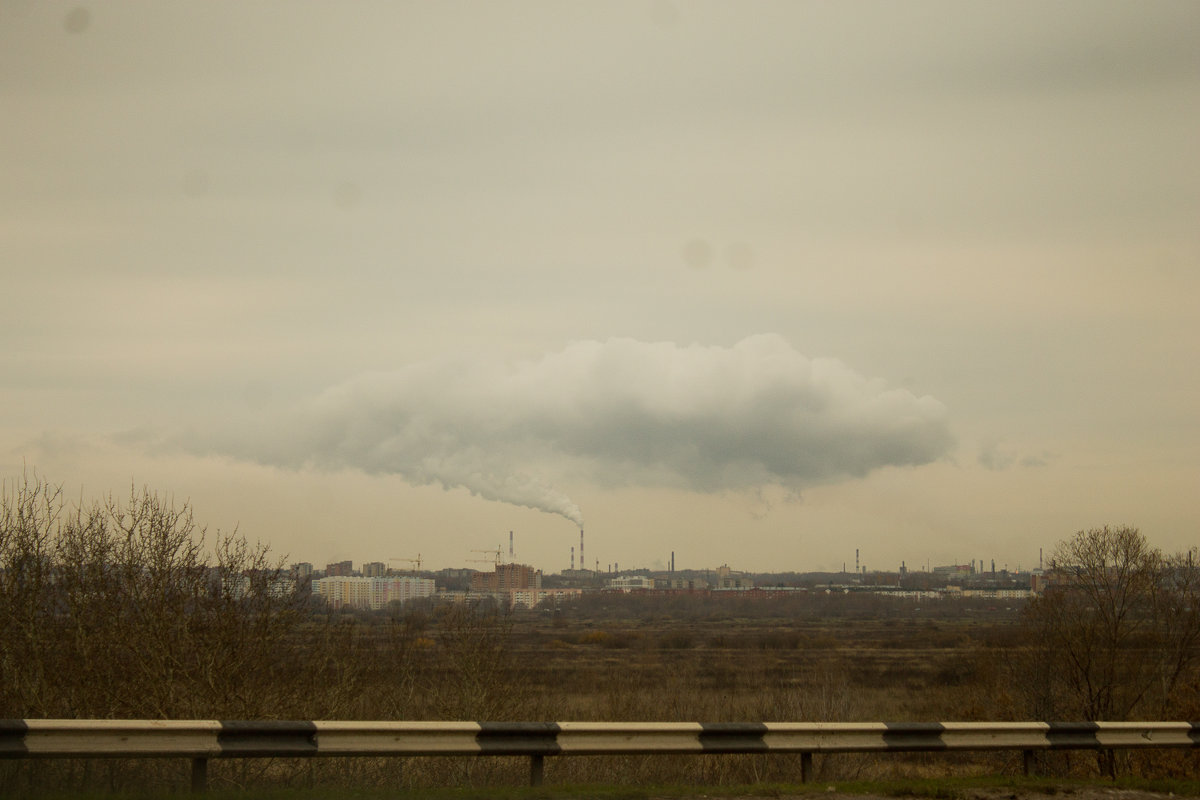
416, 561
495, 554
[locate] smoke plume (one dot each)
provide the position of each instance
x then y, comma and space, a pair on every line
614, 413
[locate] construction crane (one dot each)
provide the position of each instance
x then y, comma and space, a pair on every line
495, 555
416, 561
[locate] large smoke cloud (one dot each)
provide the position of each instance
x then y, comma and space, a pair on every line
617, 413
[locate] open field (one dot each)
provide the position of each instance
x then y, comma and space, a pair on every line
638, 659
785, 660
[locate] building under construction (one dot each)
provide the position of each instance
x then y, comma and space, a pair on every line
507, 578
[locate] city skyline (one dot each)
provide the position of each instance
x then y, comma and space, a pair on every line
373, 567
751, 286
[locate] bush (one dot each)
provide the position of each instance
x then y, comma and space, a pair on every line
130, 610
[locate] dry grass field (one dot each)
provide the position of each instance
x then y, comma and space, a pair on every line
621, 657
686, 659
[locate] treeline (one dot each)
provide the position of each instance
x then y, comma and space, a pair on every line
129, 609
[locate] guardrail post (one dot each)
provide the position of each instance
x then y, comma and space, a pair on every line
806, 767
1027, 762
537, 768
199, 774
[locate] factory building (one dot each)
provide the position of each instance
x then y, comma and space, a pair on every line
730, 579
630, 583
954, 571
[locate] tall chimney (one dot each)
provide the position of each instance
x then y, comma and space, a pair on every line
510, 546
572, 558
856, 570
582, 561
672, 561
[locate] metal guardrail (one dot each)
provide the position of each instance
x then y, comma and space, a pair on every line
201, 740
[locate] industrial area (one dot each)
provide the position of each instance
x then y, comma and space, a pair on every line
377, 585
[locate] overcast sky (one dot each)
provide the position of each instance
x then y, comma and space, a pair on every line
757, 283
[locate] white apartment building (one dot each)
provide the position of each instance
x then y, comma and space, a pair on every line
531, 597
371, 593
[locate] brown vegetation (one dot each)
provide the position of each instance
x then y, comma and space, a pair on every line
129, 610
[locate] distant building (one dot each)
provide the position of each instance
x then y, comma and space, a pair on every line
999, 594
1040, 581
281, 587
507, 578
302, 571
341, 568
728, 579
374, 569
629, 583
240, 587
682, 583
531, 597
371, 593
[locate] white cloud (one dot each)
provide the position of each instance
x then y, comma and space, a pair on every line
619, 413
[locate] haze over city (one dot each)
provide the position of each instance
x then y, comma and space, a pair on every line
754, 284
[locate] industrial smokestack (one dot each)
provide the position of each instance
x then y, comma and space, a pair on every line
672, 561
582, 560
510, 546
572, 558
856, 569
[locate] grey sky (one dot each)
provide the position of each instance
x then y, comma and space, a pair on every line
212, 214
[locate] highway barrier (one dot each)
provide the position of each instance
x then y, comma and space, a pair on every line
202, 740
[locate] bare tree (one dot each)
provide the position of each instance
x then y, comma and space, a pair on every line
29, 512
129, 609
1115, 635
1177, 609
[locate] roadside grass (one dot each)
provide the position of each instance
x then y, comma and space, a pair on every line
957, 788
